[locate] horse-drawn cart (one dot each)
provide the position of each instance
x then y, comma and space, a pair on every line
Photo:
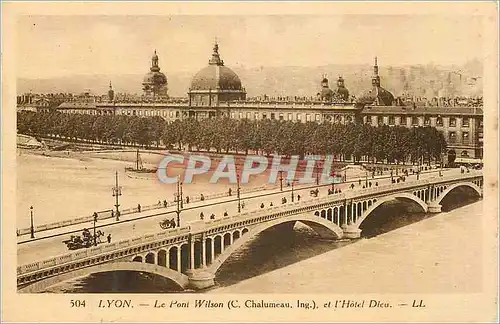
167, 223
87, 240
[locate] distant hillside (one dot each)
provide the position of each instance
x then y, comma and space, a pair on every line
421, 80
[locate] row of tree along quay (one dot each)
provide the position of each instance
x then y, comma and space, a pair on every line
393, 144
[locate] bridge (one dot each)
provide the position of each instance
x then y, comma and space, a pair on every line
191, 255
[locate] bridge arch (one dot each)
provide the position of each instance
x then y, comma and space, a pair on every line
457, 185
150, 257
180, 279
377, 203
236, 235
317, 223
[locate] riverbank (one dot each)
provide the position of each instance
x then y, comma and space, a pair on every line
440, 254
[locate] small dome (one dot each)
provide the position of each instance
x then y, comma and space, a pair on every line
342, 93
216, 77
155, 78
154, 81
326, 93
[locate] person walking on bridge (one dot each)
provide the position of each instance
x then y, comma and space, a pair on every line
139, 208
109, 238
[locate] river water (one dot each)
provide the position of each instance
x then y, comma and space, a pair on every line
272, 249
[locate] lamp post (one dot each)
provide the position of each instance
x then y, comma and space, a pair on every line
392, 179
332, 174
182, 197
238, 192
117, 192
178, 200
281, 180
366, 179
418, 159
293, 196
32, 228
441, 164
95, 221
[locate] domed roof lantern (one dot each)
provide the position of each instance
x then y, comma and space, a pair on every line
111, 92
154, 63
375, 77
216, 60
340, 82
324, 82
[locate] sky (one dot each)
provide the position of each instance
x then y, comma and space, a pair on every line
56, 46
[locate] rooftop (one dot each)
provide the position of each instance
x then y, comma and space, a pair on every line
431, 110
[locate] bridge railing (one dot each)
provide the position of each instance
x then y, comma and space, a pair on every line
94, 251
210, 224
107, 214
350, 194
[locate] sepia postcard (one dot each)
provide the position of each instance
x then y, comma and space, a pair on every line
249, 162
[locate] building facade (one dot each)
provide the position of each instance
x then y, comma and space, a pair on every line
217, 91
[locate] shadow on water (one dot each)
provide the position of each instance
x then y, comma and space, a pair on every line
272, 249
398, 213
459, 197
118, 282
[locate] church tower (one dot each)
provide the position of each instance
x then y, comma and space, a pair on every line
375, 77
111, 93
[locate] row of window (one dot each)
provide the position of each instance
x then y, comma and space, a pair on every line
453, 137
415, 121
279, 116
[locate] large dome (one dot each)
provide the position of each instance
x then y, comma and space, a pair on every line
216, 77
215, 83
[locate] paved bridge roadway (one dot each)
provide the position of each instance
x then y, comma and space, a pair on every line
49, 243
192, 254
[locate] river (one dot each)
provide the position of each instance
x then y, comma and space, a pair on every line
276, 250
